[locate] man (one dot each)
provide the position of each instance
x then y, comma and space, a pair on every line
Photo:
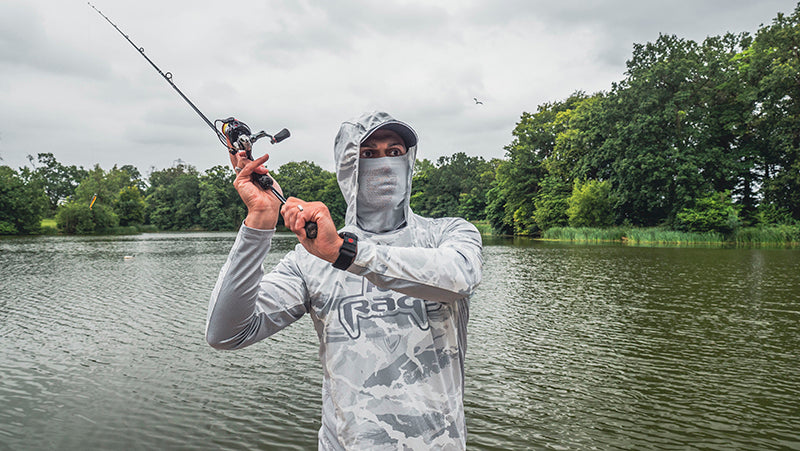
389, 296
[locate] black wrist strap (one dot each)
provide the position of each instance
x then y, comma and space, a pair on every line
347, 253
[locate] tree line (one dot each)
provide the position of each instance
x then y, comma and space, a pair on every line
181, 198
698, 136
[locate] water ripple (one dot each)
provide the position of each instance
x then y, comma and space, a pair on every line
571, 347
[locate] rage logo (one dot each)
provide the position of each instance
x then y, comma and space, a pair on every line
374, 302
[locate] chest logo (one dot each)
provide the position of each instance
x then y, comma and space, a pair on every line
374, 302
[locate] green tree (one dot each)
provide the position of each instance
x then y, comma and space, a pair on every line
551, 203
129, 206
22, 205
499, 216
332, 196
772, 68
307, 181
59, 181
678, 118
590, 204
220, 205
114, 197
301, 179
75, 217
715, 212
521, 180
582, 130
455, 186
173, 198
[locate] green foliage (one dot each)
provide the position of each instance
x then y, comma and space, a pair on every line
77, 218
713, 213
689, 118
530, 154
332, 196
220, 207
674, 118
590, 204
308, 181
129, 206
496, 204
771, 66
771, 214
22, 205
173, 198
59, 181
585, 234
455, 186
783, 234
656, 235
114, 197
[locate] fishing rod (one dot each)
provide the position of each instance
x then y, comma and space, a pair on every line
235, 135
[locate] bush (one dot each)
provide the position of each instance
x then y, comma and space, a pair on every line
714, 213
78, 218
590, 204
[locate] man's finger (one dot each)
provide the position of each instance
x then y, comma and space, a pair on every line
251, 166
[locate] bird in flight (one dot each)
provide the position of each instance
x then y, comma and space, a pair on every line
477, 102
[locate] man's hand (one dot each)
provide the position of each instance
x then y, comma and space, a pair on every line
327, 243
262, 206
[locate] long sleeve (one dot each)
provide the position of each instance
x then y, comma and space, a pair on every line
448, 271
247, 306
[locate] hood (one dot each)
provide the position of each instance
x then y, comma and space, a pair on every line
346, 154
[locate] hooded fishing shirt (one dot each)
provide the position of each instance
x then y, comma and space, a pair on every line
392, 327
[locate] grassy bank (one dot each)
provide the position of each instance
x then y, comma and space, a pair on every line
483, 226
49, 227
779, 235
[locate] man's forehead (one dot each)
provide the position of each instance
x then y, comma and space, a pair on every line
384, 135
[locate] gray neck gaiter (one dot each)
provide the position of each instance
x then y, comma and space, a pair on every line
382, 193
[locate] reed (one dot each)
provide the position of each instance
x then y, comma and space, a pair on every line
49, 222
587, 234
483, 227
777, 235
770, 235
655, 235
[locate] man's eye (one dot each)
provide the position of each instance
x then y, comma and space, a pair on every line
395, 152
366, 154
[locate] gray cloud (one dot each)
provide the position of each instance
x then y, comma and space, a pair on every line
69, 84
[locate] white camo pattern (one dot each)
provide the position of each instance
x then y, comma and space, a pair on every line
392, 328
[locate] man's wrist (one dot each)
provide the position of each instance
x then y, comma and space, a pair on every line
261, 220
347, 251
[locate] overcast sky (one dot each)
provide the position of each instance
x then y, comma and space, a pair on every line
71, 85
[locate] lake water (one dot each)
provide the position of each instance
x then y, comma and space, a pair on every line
570, 347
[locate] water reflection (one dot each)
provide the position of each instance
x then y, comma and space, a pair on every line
630, 348
571, 347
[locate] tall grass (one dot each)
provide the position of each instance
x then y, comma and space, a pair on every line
48, 222
483, 227
779, 235
587, 234
772, 235
654, 235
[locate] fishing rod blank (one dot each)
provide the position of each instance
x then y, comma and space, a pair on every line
167, 76
235, 135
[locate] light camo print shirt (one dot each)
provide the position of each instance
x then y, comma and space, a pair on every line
392, 328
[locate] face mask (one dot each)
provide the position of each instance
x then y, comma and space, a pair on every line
382, 193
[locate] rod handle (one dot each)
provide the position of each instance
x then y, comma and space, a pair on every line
265, 182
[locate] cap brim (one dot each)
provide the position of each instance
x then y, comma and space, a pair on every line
404, 130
